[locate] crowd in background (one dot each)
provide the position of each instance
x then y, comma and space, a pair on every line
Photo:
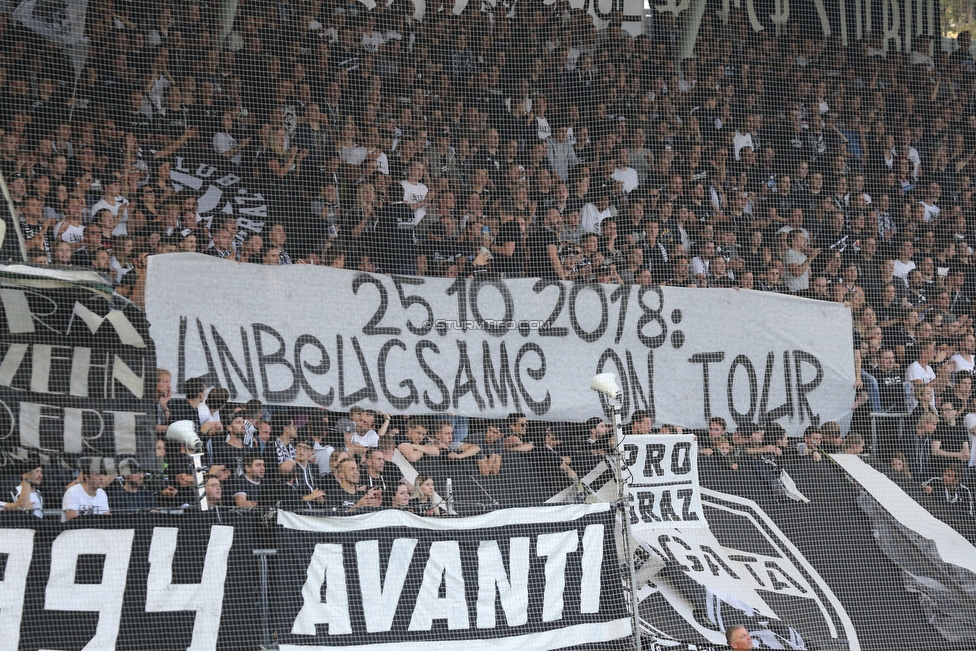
524, 143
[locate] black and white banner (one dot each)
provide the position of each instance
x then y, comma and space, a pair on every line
76, 373
541, 578
303, 335
662, 482
126, 582
741, 569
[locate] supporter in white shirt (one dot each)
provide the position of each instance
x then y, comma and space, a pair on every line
625, 174
225, 144
592, 214
114, 203
86, 497
415, 192
964, 359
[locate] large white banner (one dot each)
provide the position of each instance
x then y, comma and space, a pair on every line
316, 336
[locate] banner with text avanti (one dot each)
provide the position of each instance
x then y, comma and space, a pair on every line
317, 336
542, 578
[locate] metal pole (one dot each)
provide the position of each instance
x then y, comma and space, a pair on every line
625, 521
265, 628
198, 480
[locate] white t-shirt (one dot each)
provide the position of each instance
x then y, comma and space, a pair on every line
902, 269
370, 439
37, 503
970, 422
916, 371
543, 130
962, 364
591, 217
77, 499
741, 140
120, 211
415, 193
628, 177
322, 455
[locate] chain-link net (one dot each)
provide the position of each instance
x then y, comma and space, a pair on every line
528, 324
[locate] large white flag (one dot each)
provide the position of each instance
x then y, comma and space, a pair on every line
61, 21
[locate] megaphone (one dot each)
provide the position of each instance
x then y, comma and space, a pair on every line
182, 431
605, 383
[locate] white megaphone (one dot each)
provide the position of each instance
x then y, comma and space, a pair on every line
605, 383
182, 431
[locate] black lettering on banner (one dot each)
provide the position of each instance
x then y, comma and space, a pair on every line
615, 5
322, 400
715, 561
705, 359
181, 357
496, 329
611, 354
368, 391
772, 567
663, 541
422, 345
653, 455
686, 495
739, 417
277, 358
666, 508
224, 356
538, 407
470, 385
588, 337
503, 382
651, 315
622, 294
460, 287
747, 561
645, 506
211, 378
406, 301
773, 571
635, 385
630, 454
681, 458
787, 408
398, 402
372, 327
803, 388
547, 329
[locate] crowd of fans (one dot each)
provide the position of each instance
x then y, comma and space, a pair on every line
522, 143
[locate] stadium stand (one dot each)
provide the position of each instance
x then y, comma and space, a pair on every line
511, 141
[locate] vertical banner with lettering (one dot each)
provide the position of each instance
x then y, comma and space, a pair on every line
486, 347
540, 578
76, 372
662, 482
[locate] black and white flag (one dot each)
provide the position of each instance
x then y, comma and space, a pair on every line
60, 21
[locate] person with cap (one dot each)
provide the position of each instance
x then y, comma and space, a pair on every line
129, 495
86, 496
346, 428
26, 495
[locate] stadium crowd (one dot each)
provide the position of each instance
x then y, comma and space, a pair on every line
514, 144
